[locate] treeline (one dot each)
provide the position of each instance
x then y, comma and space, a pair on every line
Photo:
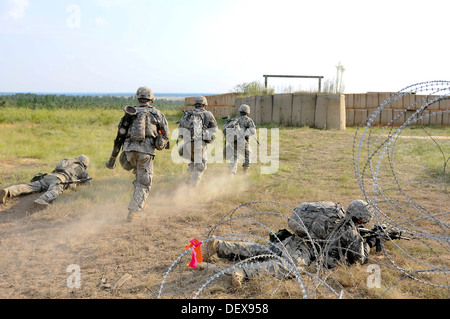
56, 101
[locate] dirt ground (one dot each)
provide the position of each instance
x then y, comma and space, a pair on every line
41, 249
44, 252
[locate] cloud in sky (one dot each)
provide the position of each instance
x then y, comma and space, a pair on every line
17, 8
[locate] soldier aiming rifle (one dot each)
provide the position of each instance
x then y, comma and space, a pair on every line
378, 235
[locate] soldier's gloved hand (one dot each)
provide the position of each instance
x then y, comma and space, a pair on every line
395, 233
111, 163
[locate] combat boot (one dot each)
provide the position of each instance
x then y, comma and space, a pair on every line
4, 193
40, 203
212, 247
237, 278
132, 215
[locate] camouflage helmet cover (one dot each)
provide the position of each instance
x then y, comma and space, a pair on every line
201, 100
244, 108
360, 210
83, 159
144, 92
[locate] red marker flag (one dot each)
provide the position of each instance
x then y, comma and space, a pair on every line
197, 256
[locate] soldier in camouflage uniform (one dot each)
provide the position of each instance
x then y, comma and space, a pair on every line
67, 173
331, 233
237, 132
197, 127
147, 128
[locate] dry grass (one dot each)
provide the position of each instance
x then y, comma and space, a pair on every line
87, 227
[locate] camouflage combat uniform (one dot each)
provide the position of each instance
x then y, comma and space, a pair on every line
140, 154
53, 184
294, 247
237, 140
195, 145
335, 239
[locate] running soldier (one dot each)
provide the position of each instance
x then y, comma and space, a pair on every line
329, 232
146, 130
237, 132
197, 127
67, 174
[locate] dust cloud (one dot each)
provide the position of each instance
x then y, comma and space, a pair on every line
80, 220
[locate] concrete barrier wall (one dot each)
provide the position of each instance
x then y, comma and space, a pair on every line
324, 111
361, 105
327, 111
220, 105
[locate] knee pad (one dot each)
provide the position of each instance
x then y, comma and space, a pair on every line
145, 179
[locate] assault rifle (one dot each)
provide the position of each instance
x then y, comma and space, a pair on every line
130, 112
77, 181
378, 235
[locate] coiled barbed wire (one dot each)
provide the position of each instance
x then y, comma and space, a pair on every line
248, 214
380, 181
425, 261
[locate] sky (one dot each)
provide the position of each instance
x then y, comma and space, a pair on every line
213, 46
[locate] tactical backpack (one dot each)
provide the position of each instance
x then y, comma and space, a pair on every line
231, 125
316, 219
194, 122
138, 130
234, 130
65, 165
70, 167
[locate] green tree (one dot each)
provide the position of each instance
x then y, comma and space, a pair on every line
252, 88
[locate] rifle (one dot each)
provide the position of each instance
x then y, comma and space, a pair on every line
130, 112
77, 181
379, 235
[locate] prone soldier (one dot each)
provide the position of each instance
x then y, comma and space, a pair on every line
317, 227
67, 174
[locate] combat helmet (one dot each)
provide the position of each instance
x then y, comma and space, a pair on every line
144, 93
200, 101
83, 159
244, 108
360, 210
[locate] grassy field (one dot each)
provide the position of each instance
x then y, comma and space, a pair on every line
87, 227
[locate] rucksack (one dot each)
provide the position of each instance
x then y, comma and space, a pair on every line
137, 129
193, 121
319, 219
233, 127
65, 165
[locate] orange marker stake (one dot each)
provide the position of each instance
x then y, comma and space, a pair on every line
197, 256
